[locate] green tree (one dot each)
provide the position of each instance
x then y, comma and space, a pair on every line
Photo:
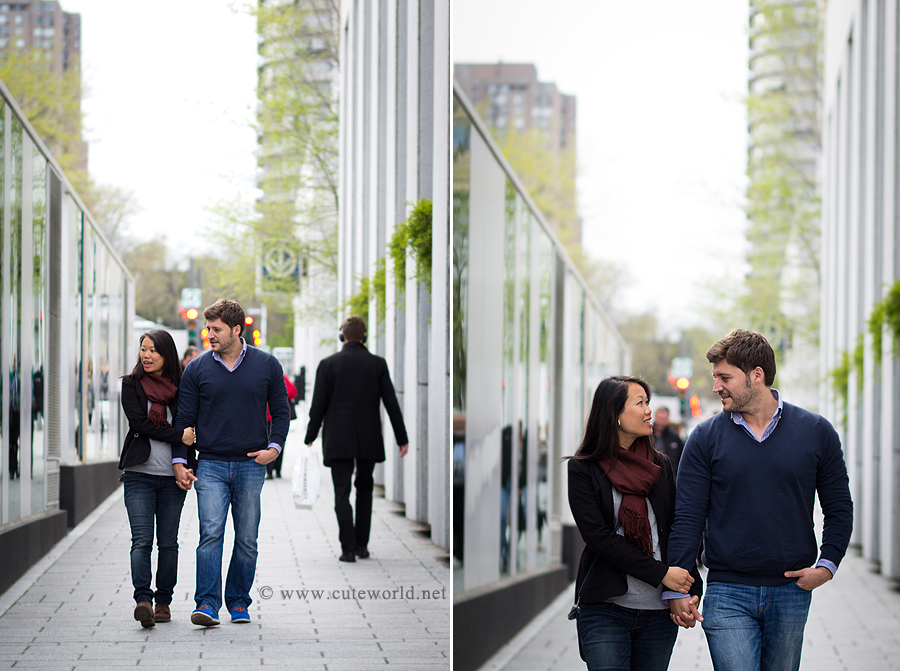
652, 350
158, 283
51, 101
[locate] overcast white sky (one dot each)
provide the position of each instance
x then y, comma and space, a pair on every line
661, 129
171, 95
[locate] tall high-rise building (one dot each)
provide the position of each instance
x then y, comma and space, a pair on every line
510, 95
41, 28
298, 164
783, 203
42, 24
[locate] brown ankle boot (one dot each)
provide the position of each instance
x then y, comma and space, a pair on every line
143, 613
162, 613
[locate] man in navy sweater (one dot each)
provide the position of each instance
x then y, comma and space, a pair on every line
224, 394
747, 482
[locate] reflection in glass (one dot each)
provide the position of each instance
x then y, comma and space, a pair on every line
524, 273
89, 405
77, 342
102, 371
3, 260
508, 401
461, 173
13, 332
38, 310
544, 263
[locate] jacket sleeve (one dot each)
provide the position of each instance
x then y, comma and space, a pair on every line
389, 398
319, 404
138, 419
691, 501
188, 407
278, 404
603, 541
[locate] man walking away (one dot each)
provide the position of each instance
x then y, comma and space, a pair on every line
224, 395
347, 394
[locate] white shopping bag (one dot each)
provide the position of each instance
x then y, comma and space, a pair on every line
307, 479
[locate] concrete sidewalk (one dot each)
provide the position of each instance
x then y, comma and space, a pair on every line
73, 610
854, 625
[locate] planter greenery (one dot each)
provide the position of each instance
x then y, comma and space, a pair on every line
885, 312
358, 303
840, 379
413, 236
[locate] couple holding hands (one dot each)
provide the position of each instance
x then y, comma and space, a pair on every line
225, 394
747, 483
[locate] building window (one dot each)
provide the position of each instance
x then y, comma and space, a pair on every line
19, 18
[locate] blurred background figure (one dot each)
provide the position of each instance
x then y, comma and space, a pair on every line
190, 353
665, 438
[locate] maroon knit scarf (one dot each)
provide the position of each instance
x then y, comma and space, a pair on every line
634, 475
160, 392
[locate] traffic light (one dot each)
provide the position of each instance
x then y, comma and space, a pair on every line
683, 383
204, 338
190, 316
248, 327
695, 406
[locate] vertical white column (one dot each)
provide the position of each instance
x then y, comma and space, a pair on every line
439, 369
889, 471
864, 409
417, 453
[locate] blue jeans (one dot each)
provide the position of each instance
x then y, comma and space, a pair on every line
221, 484
755, 628
612, 637
148, 497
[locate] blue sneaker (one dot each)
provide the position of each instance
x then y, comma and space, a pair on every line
239, 615
205, 616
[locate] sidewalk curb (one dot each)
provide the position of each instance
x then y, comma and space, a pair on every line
505, 654
23, 584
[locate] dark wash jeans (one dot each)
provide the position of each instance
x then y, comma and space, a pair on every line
150, 498
611, 637
750, 627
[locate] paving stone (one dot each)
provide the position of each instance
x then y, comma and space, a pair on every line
78, 613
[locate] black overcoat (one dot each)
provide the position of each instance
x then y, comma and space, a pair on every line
349, 388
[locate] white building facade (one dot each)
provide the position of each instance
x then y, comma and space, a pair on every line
860, 180
395, 151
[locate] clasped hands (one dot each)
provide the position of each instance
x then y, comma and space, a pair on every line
684, 611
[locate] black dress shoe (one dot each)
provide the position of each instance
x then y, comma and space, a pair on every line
348, 556
362, 553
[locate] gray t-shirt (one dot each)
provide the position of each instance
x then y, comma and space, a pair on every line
640, 595
160, 461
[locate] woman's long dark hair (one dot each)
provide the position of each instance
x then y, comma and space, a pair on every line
601, 435
165, 346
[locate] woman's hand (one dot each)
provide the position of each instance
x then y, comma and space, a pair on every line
678, 580
188, 438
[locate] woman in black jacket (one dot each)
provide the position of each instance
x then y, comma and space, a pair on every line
622, 495
149, 399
